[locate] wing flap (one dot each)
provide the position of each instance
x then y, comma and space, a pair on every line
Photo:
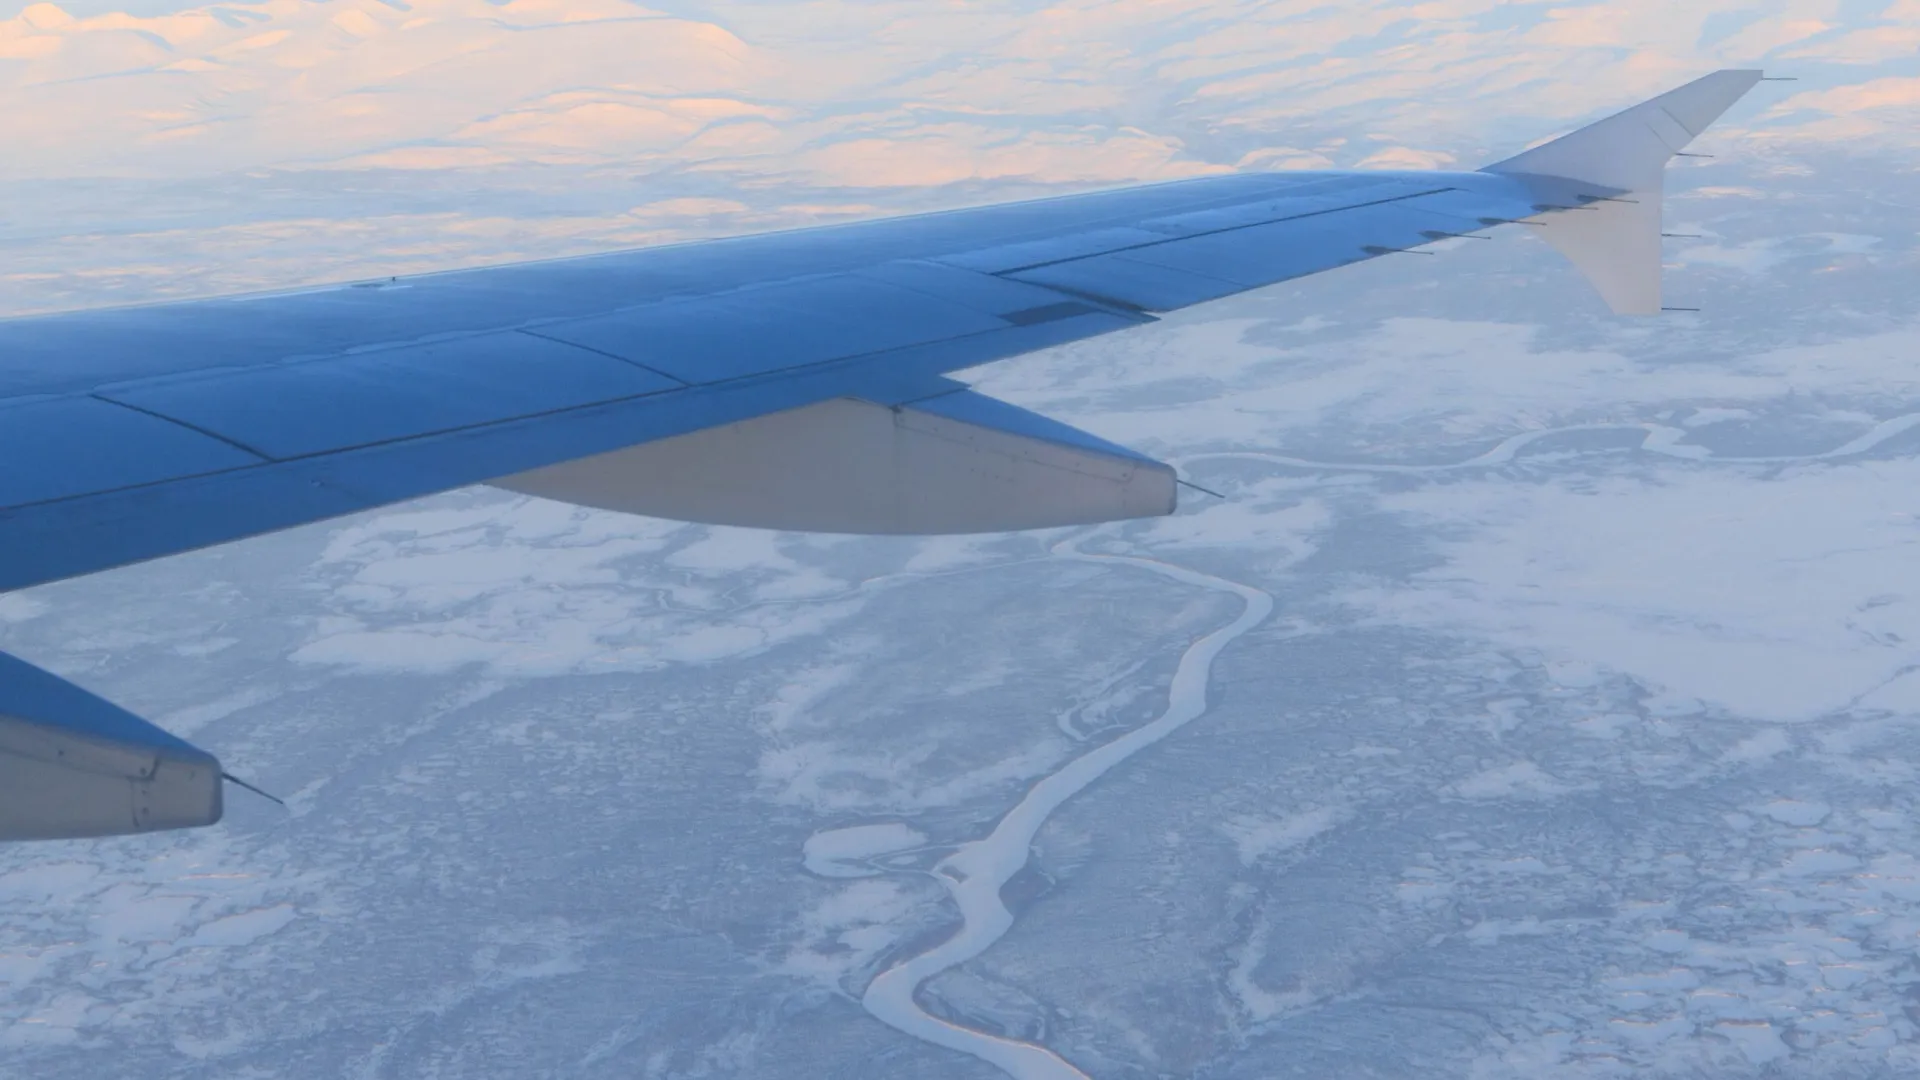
955, 463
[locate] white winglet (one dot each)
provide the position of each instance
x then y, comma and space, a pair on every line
1615, 168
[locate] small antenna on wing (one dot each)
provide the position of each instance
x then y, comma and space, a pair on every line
232, 779
1197, 487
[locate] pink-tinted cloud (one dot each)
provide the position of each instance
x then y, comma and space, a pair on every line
774, 107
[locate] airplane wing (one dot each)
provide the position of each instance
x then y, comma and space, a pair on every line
792, 380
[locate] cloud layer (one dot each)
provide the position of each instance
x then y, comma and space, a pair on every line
474, 131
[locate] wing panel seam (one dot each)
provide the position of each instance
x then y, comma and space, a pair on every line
1222, 232
722, 385
602, 352
179, 423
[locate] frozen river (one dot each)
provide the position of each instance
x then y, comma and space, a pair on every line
978, 870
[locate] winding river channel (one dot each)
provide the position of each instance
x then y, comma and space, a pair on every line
976, 871
1659, 439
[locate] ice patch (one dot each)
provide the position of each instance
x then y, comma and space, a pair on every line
836, 852
55, 1023
244, 928
1605, 726
1763, 746
1756, 1040
828, 775
1492, 931
1422, 891
185, 722
1647, 1034
1706, 417
132, 916
1754, 257
1900, 695
1258, 837
1270, 515
848, 929
1796, 811
1818, 862
527, 588
1689, 607
937, 554
19, 607
1521, 779
1257, 1002
1575, 674
1678, 978
539, 949
796, 698
38, 885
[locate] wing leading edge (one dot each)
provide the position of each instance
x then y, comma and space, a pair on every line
791, 380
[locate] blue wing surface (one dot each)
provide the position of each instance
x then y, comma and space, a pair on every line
789, 380
134, 433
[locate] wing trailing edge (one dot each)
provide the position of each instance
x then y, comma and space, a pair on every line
955, 462
1600, 188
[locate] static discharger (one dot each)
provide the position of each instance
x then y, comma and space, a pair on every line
1197, 487
237, 782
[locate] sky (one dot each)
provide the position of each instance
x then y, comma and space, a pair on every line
212, 149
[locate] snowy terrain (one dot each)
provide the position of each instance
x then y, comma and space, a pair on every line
1540, 700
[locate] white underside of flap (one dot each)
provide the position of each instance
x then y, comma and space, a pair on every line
849, 466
